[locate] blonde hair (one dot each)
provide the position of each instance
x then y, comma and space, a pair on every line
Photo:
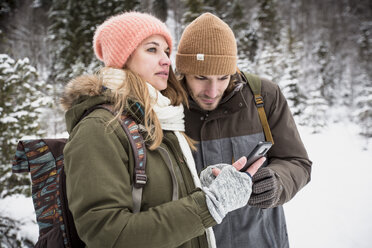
134, 90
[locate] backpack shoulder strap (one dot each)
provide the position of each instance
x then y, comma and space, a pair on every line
139, 150
254, 83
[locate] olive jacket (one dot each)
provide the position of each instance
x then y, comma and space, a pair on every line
99, 165
232, 130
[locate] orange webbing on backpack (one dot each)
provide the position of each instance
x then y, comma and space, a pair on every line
254, 83
261, 112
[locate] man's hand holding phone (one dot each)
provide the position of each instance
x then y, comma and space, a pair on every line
240, 163
258, 152
255, 159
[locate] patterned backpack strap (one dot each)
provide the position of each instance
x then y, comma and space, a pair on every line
139, 150
138, 145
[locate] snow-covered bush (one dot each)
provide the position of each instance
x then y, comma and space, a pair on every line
21, 98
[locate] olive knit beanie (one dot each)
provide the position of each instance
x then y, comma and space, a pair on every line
207, 47
116, 39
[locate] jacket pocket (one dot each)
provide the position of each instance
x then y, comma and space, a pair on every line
52, 239
243, 145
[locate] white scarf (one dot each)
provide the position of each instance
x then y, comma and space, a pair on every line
171, 118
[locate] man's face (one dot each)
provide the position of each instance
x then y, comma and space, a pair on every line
207, 91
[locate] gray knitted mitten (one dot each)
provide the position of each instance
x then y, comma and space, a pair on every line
266, 189
230, 190
207, 177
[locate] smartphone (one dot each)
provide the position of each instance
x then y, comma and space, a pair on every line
258, 152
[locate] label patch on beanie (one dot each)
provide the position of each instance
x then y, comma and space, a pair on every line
199, 56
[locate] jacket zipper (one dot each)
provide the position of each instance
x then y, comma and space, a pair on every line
181, 165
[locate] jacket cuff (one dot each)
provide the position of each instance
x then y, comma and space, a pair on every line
199, 197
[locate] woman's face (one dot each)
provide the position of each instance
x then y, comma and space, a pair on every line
151, 61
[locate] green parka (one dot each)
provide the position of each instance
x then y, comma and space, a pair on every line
99, 167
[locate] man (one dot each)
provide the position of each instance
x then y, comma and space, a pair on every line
224, 120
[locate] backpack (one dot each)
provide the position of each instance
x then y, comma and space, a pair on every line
254, 83
43, 159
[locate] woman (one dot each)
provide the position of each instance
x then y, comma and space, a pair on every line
99, 161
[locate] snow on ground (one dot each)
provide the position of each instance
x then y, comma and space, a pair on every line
333, 211
21, 208
335, 208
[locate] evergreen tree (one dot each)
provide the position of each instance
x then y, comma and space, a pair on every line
248, 44
269, 21
6, 9
9, 234
269, 61
290, 81
128, 4
6, 6
364, 107
174, 22
327, 72
246, 35
218, 7
194, 8
20, 103
364, 94
72, 30
160, 9
314, 113
315, 107
26, 34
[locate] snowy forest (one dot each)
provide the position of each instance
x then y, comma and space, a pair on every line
318, 51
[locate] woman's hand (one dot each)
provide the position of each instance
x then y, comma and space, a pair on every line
226, 188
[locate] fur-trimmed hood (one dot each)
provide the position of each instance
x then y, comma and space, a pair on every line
84, 93
80, 95
87, 85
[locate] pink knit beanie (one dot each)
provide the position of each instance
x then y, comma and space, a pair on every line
116, 38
